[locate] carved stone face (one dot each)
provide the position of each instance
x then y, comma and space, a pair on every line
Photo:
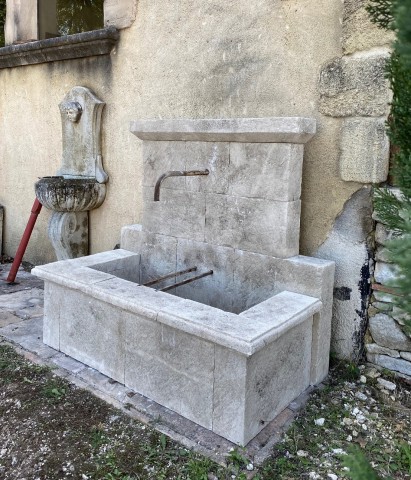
73, 111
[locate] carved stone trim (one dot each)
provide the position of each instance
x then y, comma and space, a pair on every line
68, 232
87, 44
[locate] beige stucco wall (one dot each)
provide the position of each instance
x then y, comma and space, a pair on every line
179, 59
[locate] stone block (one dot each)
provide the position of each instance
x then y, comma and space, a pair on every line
132, 297
387, 333
384, 273
253, 224
270, 171
172, 368
127, 267
216, 290
7, 318
158, 256
399, 315
313, 277
382, 306
260, 130
20, 299
364, 148
355, 86
383, 235
178, 213
215, 157
268, 386
382, 254
254, 279
406, 356
119, 13
159, 158
382, 296
27, 332
98, 342
359, 33
78, 45
132, 238
378, 349
68, 363
396, 364
51, 319
230, 376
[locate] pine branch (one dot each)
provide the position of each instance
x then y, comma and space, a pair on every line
360, 468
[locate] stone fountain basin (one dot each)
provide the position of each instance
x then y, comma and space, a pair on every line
63, 194
230, 373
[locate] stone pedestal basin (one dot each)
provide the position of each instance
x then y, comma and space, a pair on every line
79, 185
70, 199
62, 194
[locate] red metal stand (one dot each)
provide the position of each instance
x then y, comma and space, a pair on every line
35, 210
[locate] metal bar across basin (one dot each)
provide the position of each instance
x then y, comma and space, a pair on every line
169, 275
184, 282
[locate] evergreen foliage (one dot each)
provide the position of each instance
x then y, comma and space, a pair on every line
360, 468
401, 255
381, 12
403, 27
395, 210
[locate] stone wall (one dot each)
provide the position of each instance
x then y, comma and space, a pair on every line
354, 91
387, 345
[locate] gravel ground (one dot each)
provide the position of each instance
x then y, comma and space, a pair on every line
50, 429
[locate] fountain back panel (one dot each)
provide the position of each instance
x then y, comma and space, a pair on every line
220, 350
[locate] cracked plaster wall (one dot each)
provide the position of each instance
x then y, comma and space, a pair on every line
190, 59
217, 58
348, 246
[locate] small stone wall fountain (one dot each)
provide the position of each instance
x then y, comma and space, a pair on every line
80, 183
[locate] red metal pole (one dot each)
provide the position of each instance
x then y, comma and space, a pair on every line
35, 210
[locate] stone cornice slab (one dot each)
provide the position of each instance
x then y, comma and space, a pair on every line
261, 130
79, 45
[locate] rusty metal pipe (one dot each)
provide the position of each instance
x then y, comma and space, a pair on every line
184, 282
35, 210
170, 275
175, 173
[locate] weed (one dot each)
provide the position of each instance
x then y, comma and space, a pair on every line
197, 469
109, 469
54, 390
237, 458
97, 437
351, 372
402, 460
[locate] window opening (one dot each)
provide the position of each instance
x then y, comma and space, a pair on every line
44, 19
2, 21
76, 16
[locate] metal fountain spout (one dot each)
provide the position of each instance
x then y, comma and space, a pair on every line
175, 173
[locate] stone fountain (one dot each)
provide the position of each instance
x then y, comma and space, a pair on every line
80, 183
208, 308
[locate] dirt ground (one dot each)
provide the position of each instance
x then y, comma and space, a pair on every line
50, 429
